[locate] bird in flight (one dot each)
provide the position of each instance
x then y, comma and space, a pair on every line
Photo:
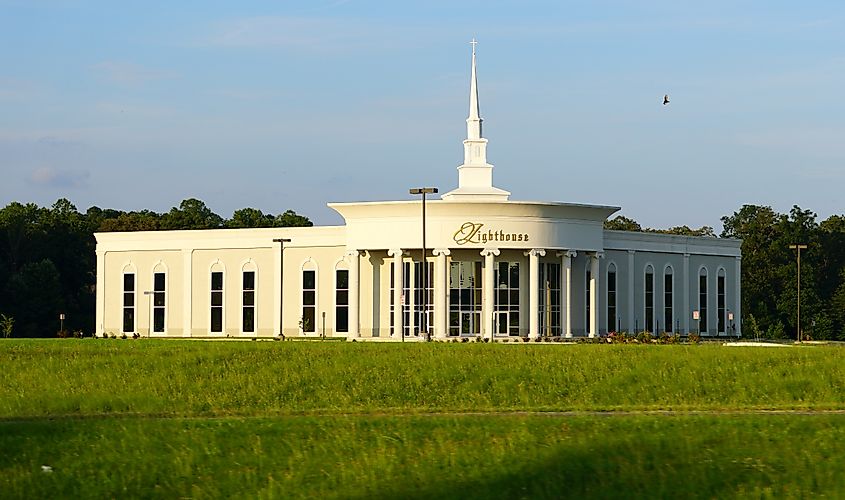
666, 99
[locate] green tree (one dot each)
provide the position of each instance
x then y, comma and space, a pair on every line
250, 217
686, 231
292, 219
145, 220
191, 214
37, 298
622, 223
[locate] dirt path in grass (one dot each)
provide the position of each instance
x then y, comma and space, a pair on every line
447, 414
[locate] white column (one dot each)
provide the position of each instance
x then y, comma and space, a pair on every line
567, 292
99, 328
441, 285
594, 294
353, 294
398, 288
738, 299
534, 292
686, 312
632, 327
489, 289
187, 292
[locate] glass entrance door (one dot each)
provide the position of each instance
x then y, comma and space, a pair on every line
469, 323
502, 322
464, 298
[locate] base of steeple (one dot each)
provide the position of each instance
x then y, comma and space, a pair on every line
475, 183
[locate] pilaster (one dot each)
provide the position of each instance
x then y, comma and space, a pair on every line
488, 307
534, 291
566, 267
594, 293
354, 294
441, 285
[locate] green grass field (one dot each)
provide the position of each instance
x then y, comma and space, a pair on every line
150, 418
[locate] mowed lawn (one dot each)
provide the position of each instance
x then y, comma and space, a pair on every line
147, 418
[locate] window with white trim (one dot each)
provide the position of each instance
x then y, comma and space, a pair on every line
648, 284
159, 302
702, 301
550, 299
341, 301
309, 301
128, 302
668, 300
216, 302
611, 298
720, 301
248, 302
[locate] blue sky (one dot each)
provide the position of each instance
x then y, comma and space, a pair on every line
291, 104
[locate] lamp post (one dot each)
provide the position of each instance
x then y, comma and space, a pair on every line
149, 294
799, 247
424, 322
281, 242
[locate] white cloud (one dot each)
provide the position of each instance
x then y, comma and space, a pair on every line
51, 177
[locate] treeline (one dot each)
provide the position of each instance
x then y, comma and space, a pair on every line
48, 263
770, 269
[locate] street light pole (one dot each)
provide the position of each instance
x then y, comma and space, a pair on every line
424, 322
281, 242
149, 294
798, 319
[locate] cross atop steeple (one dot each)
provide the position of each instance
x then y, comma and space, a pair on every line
474, 42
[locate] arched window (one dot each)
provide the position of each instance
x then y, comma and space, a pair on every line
341, 299
648, 303
217, 298
309, 297
720, 301
702, 300
129, 299
668, 300
612, 322
249, 287
159, 298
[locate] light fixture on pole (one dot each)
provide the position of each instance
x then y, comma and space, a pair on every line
424, 321
799, 247
281, 242
149, 294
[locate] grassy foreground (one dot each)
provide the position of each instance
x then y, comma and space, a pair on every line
172, 419
187, 378
771, 456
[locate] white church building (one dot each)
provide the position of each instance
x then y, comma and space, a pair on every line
473, 263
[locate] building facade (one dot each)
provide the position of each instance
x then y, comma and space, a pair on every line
485, 266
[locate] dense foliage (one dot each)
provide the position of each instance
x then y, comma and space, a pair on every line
770, 269
48, 265
47, 260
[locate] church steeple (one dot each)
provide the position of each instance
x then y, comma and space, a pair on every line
475, 176
474, 119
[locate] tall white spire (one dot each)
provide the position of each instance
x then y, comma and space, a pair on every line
474, 119
475, 176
